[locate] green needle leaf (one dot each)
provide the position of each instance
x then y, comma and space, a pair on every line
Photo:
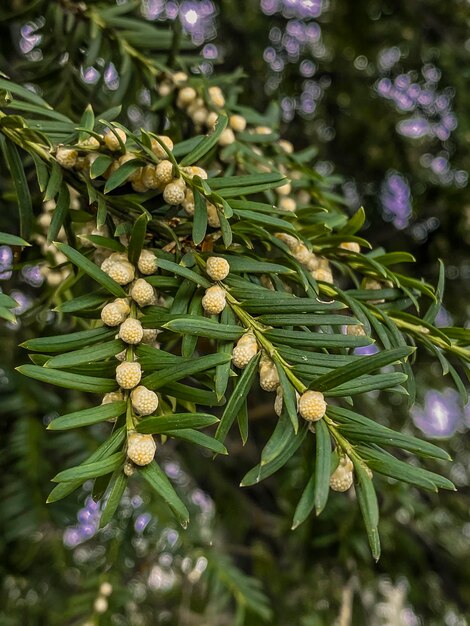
157, 479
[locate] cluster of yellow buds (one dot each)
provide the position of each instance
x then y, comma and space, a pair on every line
160, 175
319, 267
83, 154
203, 108
188, 98
124, 312
342, 478
246, 348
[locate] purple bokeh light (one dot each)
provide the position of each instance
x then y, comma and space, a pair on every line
299, 41
432, 115
440, 415
366, 350
6, 261
142, 521
395, 199
88, 521
197, 17
32, 275
414, 127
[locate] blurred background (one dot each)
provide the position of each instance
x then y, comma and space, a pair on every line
382, 90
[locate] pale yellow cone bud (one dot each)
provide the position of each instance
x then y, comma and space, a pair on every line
375, 285
263, 130
141, 448
216, 96
346, 462
112, 396
179, 78
323, 275
90, 142
199, 116
211, 120
106, 589
114, 257
112, 142
188, 203
237, 123
125, 158
290, 241
123, 305
341, 479
100, 605
279, 401
111, 169
121, 271
129, 469
142, 292
284, 190
144, 401
174, 193
147, 263
313, 262
226, 137
194, 170
287, 204
371, 283
212, 216
301, 253
128, 375
165, 89
66, 157
121, 356
164, 172
150, 335
352, 246
138, 185
268, 374
158, 150
303, 197
217, 268
246, 348
312, 405
149, 177
355, 330
196, 104
186, 95
113, 314
131, 331
286, 146
247, 339
213, 301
